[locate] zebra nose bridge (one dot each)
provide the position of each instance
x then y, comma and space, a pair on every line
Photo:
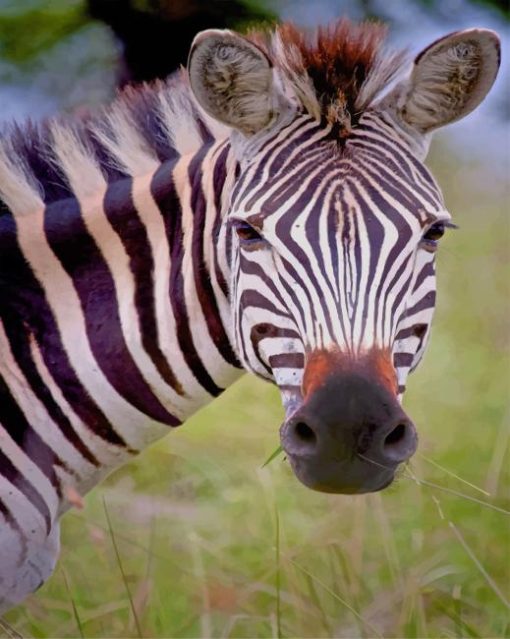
321, 365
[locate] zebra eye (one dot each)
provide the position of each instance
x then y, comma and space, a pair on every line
435, 232
246, 233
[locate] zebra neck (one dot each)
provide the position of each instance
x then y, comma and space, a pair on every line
155, 300
115, 319
193, 265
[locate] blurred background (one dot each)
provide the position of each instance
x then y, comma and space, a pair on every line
195, 538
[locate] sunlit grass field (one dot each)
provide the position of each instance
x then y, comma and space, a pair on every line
195, 539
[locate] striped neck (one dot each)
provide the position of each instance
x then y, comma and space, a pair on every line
193, 201
128, 312
170, 268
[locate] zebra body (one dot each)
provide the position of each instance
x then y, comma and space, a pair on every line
150, 255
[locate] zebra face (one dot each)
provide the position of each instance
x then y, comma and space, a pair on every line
333, 290
333, 230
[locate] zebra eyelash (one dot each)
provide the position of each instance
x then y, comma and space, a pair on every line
433, 234
247, 234
448, 224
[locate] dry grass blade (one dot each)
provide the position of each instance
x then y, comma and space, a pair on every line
387, 539
314, 597
501, 447
125, 539
430, 484
201, 577
10, 632
493, 585
73, 604
278, 575
449, 472
338, 598
456, 493
124, 579
495, 588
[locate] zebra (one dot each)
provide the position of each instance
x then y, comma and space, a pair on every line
266, 211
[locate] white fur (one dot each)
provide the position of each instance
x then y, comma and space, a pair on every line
77, 162
182, 131
18, 188
129, 149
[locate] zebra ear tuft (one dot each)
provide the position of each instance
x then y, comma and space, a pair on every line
450, 78
232, 80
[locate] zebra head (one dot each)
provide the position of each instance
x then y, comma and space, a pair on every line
334, 222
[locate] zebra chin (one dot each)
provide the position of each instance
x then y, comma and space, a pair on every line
347, 478
349, 434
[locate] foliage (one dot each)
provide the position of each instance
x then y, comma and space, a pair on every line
47, 23
30, 28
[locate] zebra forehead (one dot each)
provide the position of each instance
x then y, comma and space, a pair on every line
357, 181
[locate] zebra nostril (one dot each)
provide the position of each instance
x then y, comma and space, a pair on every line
396, 435
299, 438
305, 433
400, 443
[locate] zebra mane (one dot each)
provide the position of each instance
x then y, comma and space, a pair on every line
146, 125
335, 74
336, 71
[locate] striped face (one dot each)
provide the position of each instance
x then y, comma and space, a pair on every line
334, 250
333, 262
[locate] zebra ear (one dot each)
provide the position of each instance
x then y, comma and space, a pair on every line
232, 80
449, 79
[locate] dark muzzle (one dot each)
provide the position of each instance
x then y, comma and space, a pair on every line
349, 435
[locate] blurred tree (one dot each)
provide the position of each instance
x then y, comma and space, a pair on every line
156, 34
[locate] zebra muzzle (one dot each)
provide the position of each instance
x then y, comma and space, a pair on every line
349, 435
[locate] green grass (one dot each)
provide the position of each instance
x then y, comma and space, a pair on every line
195, 539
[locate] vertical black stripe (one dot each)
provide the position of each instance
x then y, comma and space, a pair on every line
23, 302
19, 340
203, 287
23, 434
164, 193
11, 474
80, 257
219, 177
120, 210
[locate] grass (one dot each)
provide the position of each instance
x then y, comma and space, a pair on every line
196, 539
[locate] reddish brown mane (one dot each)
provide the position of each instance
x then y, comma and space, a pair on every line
337, 58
